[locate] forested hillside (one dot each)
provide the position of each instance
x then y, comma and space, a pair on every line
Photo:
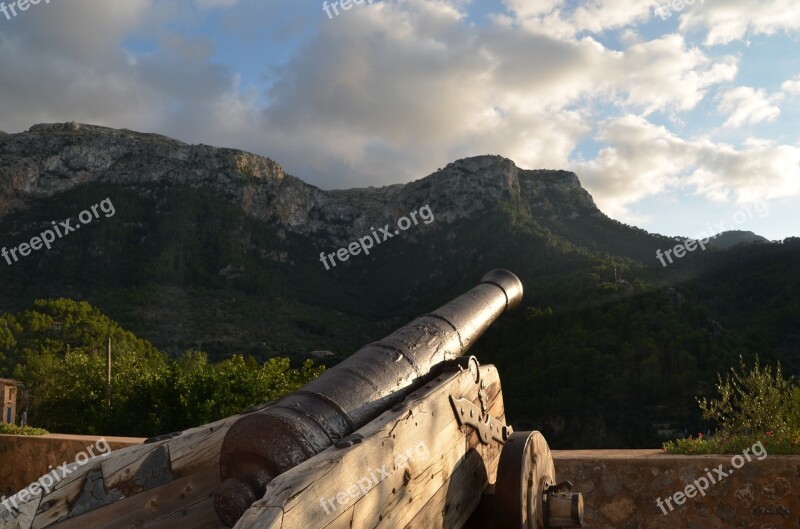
218, 251
57, 348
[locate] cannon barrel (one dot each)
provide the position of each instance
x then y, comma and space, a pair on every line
264, 444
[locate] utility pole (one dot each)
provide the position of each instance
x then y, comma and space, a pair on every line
108, 372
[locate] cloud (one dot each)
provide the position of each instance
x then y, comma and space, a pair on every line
70, 63
728, 20
748, 106
559, 18
667, 74
791, 86
391, 91
759, 170
723, 21
407, 87
641, 159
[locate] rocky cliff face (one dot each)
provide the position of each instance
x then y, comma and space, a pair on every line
49, 159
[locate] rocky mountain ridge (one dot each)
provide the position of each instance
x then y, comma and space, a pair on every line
50, 159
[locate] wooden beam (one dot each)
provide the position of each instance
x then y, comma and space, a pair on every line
385, 481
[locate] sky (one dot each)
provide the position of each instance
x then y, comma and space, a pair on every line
677, 117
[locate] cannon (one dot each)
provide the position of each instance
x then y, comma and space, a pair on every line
408, 432
352, 395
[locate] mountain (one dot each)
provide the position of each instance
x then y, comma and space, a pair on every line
221, 250
193, 221
729, 239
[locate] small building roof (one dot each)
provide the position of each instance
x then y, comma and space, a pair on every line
10, 382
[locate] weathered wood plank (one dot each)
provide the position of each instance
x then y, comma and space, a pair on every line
455, 501
491, 452
175, 504
410, 491
391, 433
120, 472
304, 494
58, 503
69, 485
265, 518
199, 448
22, 517
137, 469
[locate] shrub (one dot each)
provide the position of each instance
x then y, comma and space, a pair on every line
753, 402
12, 429
754, 405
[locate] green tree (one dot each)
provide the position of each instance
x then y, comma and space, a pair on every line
218, 390
753, 401
61, 348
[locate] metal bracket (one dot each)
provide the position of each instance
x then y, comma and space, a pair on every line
488, 428
564, 486
350, 440
464, 363
483, 398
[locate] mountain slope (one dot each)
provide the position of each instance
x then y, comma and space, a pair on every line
192, 220
219, 250
731, 238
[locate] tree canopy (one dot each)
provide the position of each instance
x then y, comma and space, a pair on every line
57, 348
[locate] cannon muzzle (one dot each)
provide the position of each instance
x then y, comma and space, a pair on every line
264, 444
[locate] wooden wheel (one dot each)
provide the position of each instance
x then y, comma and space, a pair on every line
524, 472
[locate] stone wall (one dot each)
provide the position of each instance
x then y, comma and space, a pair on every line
24, 459
621, 488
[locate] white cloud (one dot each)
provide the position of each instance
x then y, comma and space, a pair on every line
792, 86
666, 74
560, 19
601, 15
641, 159
722, 21
728, 20
389, 84
748, 106
759, 170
